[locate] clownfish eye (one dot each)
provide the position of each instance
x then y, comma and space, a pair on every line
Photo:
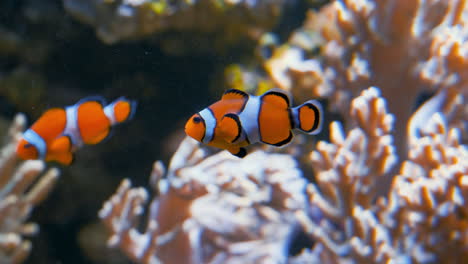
197, 120
28, 145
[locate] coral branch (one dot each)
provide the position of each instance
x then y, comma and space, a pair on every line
22, 186
210, 209
402, 47
426, 203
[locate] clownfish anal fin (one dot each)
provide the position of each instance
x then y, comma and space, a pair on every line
238, 152
234, 94
242, 153
64, 158
277, 97
99, 137
61, 144
230, 127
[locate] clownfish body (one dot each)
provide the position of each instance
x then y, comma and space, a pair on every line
239, 119
61, 131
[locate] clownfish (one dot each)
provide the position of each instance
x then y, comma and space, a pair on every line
61, 131
240, 119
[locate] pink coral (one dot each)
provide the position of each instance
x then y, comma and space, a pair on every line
425, 204
210, 210
378, 57
402, 47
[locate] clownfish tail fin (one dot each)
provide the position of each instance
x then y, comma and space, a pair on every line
120, 110
308, 117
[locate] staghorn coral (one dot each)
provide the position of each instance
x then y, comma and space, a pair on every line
22, 186
216, 209
350, 166
425, 206
403, 47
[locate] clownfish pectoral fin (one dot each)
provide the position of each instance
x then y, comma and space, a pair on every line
60, 145
230, 127
234, 94
65, 158
308, 117
277, 97
238, 152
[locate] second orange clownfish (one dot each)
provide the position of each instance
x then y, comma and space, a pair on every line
240, 119
60, 131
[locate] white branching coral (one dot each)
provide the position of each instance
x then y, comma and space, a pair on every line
22, 186
348, 170
216, 209
425, 206
402, 47
432, 189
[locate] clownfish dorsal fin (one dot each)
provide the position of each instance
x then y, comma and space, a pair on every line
277, 97
60, 145
93, 98
233, 94
230, 127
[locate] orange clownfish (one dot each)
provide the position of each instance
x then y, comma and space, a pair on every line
60, 131
239, 119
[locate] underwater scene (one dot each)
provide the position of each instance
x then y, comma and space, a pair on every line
233, 131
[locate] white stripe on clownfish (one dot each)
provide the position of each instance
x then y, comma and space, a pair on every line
37, 141
109, 112
249, 118
210, 124
71, 128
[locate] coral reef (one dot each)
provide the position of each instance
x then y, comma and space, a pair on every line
227, 205
403, 47
22, 187
216, 209
425, 205
389, 182
390, 185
